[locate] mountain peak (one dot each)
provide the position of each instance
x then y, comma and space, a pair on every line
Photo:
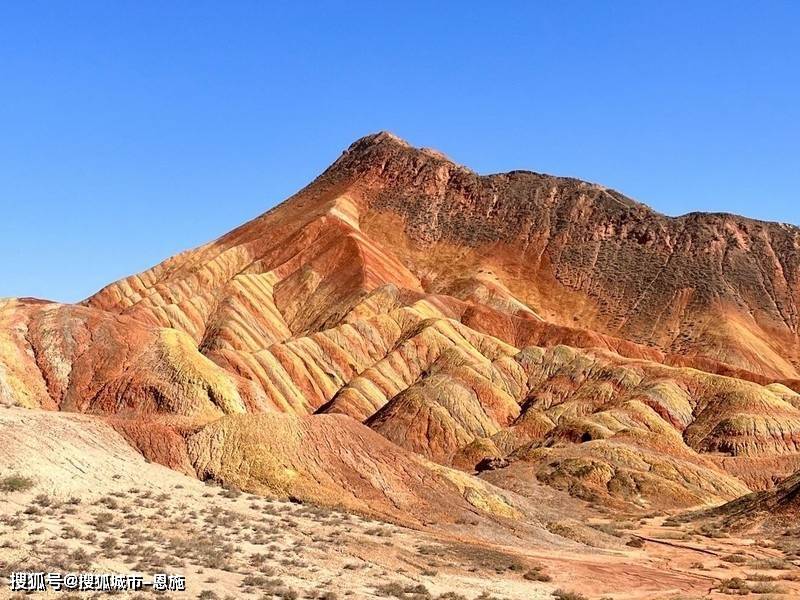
390, 154
385, 138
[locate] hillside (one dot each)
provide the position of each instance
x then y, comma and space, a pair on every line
499, 359
626, 357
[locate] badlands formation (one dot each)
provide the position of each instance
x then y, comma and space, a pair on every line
496, 359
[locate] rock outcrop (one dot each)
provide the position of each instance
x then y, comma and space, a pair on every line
779, 505
411, 317
335, 461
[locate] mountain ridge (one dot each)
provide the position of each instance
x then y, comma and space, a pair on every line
600, 348
360, 147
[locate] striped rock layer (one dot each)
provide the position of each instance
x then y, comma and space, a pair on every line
402, 303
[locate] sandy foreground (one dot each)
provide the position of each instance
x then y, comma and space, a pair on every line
90, 503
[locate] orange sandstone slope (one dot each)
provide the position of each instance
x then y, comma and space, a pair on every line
529, 246
552, 325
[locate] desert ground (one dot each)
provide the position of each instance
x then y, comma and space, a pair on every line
89, 503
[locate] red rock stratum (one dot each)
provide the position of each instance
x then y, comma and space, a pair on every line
550, 329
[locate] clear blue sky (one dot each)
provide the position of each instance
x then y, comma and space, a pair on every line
133, 130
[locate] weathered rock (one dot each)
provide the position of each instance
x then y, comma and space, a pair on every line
779, 505
617, 353
490, 464
87, 360
335, 461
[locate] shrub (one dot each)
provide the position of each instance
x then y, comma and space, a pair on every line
15, 483
393, 590
536, 574
79, 558
42, 500
735, 586
231, 492
759, 577
565, 595
737, 559
607, 528
776, 564
767, 588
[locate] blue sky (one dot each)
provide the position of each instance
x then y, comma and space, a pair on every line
132, 130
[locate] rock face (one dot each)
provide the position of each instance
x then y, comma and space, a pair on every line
777, 506
334, 460
548, 328
83, 360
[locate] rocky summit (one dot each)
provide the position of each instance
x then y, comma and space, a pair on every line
412, 341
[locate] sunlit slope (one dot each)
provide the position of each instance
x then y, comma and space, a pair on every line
549, 328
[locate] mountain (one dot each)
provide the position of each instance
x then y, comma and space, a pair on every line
529, 246
403, 319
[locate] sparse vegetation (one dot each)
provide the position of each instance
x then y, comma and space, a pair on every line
15, 483
767, 588
566, 595
537, 573
635, 542
735, 586
769, 564
737, 559
263, 545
